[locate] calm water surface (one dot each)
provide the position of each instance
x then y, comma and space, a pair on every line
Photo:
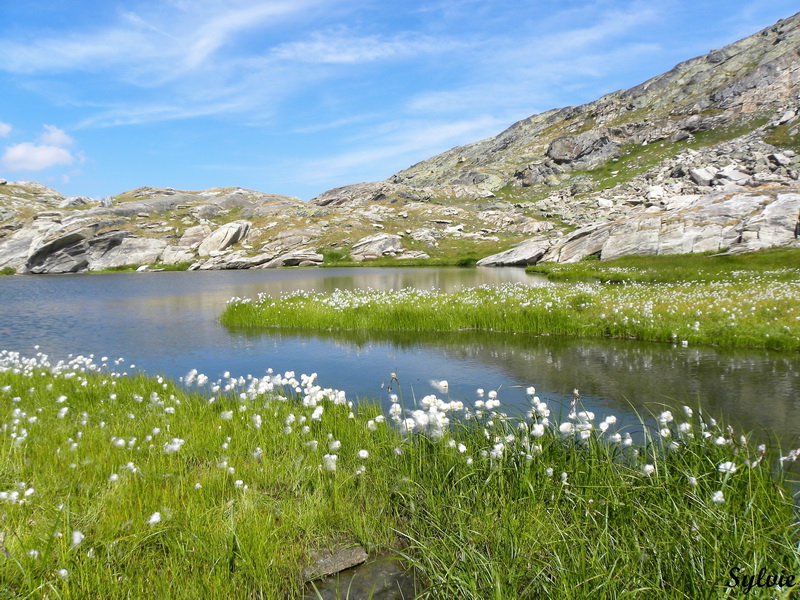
167, 323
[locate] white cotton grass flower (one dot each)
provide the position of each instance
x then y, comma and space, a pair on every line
334, 445
692, 481
648, 470
727, 467
441, 386
329, 462
77, 537
173, 445
226, 415
718, 497
154, 519
63, 573
363, 454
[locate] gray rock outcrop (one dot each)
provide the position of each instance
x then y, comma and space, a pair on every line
375, 246
526, 253
130, 251
737, 223
223, 237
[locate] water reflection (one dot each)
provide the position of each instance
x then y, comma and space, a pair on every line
753, 390
168, 323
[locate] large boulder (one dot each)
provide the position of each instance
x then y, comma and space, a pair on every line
233, 260
18, 246
375, 246
66, 253
173, 255
526, 253
584, 242
224, 237
194, 235
302, 257
130, 251
587, 150
777, 225
65, 248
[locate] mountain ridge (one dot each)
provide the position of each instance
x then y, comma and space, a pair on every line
631, 172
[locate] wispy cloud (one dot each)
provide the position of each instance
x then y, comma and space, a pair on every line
5, 129
341, 46
335, 124
393, 144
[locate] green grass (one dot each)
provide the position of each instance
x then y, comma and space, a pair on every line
388, 261
8, 271
183, 266
742, 309
782, 264
781, 138
490, 506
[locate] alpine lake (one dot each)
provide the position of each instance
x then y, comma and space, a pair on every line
167, 323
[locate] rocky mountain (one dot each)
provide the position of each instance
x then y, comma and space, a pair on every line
702, 158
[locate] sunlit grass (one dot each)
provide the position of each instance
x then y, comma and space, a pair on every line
780, 264
747, 309
115, 486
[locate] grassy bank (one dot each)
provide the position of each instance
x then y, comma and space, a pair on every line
780, 264
746, 310
126, 487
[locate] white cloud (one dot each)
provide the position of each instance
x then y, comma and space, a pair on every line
5, 129
53, 136
34, 157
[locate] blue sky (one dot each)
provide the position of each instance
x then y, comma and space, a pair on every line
298, 96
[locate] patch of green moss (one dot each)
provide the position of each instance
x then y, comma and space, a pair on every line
780, 137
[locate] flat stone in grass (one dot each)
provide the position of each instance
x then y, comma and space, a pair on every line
383, 578
327, 562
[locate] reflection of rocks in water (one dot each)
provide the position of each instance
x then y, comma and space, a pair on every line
383, 578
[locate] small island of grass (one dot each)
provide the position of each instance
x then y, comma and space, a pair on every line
751, 301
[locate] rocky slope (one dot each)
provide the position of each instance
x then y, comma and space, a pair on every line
702, 158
